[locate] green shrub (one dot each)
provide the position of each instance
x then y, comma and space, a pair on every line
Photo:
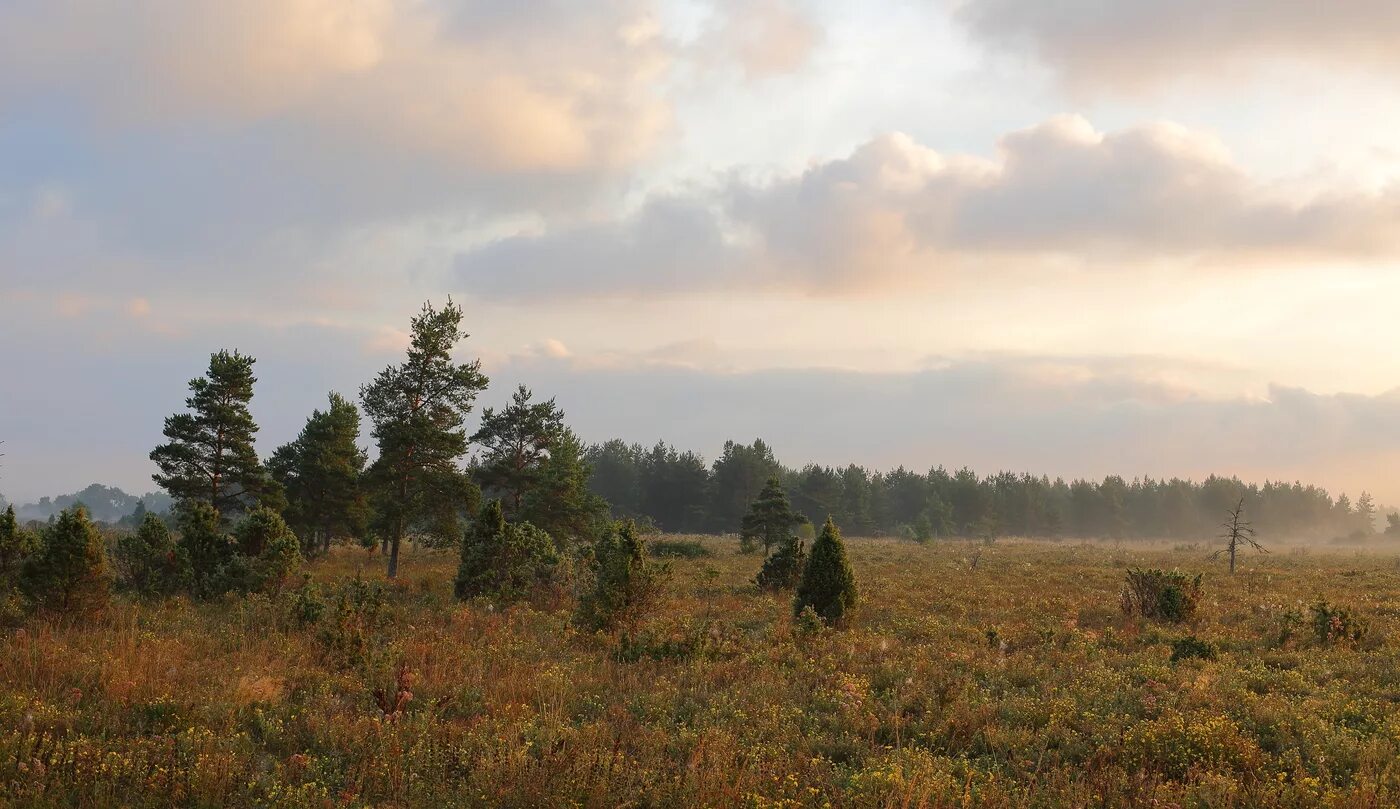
16, 544
782, 569
828, 585
1161, 595
68, 574
149, 563
624, 582
1336, 624
1192, 647
351, 634
208, 549
678, 548
503, 560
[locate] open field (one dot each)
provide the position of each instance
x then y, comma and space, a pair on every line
1014, 682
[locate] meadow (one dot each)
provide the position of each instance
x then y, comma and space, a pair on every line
970, 674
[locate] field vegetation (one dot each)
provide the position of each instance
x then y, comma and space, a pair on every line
1022, 682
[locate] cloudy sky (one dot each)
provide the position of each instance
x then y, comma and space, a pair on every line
1068, 236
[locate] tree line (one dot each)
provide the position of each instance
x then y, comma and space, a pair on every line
678, 491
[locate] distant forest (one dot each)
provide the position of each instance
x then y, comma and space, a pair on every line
679, 492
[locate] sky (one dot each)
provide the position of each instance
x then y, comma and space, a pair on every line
1075, 238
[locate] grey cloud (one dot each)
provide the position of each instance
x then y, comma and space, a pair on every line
1125, 45
897, 210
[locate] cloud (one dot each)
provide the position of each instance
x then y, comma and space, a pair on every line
897, 211
474, 85
763, 38
1129, 45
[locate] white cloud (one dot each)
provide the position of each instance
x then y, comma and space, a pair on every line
1057, 194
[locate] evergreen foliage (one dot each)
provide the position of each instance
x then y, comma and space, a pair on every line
624, 581
320, 472
516, 443
418, 409
828, 584
561, 503
149, 563
503, 560
209, 456
16, 543
68, 573
769, 520
782, 569
208, 549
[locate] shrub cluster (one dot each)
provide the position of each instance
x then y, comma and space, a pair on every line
1161, 595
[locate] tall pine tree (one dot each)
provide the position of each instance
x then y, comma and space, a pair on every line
418, 409
209, 456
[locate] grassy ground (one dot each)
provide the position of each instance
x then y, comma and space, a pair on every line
1000, 675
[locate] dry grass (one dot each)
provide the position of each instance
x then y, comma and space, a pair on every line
1018, 683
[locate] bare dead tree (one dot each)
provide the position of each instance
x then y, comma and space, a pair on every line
1238, 534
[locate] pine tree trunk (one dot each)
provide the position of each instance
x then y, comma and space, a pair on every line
394, 555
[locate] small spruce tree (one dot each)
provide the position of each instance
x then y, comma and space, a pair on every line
68, 574
828, 586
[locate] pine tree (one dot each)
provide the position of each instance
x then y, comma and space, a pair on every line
561, 502
320, 472
209, 455
149, 562
516, 442
828, 585
1366, 514
268, 552
418, 410
68, 574
501, 559
769, 520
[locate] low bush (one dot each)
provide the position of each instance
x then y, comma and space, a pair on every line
1161, 595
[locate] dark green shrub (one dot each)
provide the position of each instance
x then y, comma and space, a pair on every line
1161, 595
828, 585
624, 582
1336, 624
16, 544
503, 560
68, 573
307, 604
1192, 647
149, 563
678, 548
783, 568
208, 548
